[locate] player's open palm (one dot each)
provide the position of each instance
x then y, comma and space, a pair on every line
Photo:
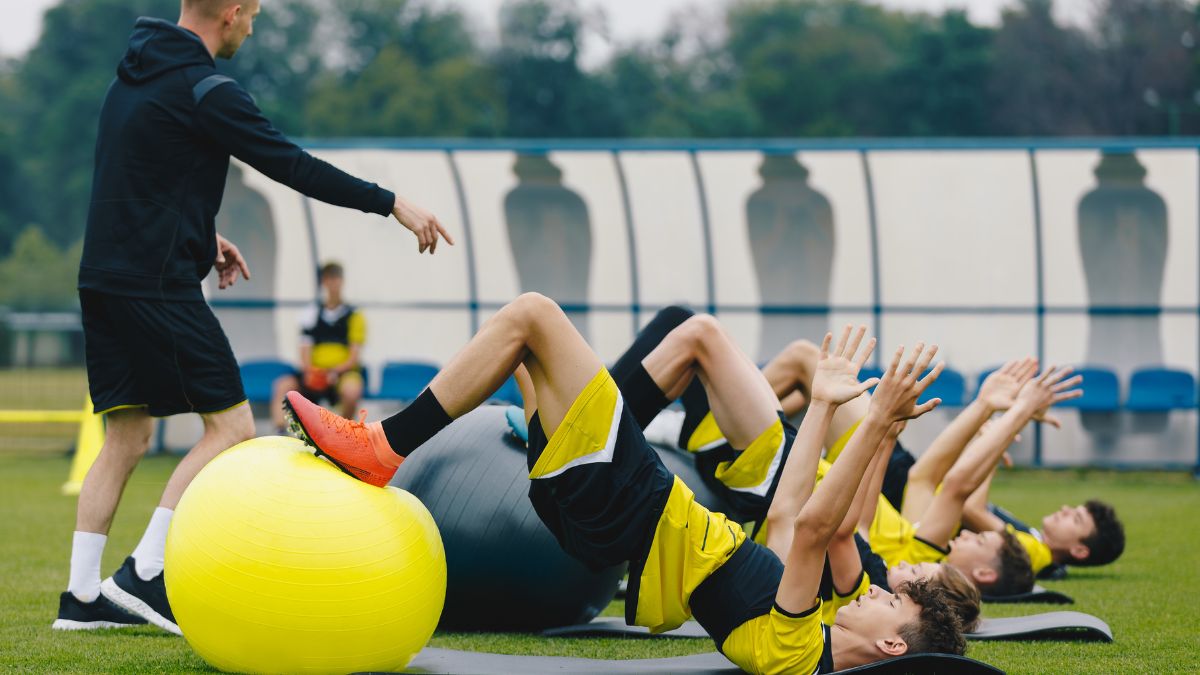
999, 391
836, 378
1053, 386
896, 396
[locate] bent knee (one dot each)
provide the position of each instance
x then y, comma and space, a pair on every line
699, 330
232, 426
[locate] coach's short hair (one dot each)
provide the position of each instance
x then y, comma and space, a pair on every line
211, 8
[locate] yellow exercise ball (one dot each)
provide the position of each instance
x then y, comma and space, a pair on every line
276, 561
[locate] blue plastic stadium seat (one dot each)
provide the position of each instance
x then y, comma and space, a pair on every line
1101, 391
508, 392
1160, 389
405, 380
950, 386
258, 378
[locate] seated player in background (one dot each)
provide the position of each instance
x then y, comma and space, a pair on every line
332, 334
603, 492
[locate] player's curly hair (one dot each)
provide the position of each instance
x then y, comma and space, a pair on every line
1107, 542
937, 629
962, 595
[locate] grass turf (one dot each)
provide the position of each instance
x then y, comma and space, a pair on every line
1154, 625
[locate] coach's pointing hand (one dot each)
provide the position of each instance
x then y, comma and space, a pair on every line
422, 223
228, 263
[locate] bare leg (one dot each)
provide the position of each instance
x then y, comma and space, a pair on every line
282, 386
740, 398
790, 374
528, 395
350, 392
222, 430
126, 439
532, 330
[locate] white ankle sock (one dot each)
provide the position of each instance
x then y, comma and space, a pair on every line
148, 556
86, 550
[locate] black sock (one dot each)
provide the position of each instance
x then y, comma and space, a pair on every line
695, 408
647, 339
643, 397
408, 429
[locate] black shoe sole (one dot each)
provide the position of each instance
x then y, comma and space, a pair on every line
296, 428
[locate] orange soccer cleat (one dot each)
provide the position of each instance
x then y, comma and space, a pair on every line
358, 448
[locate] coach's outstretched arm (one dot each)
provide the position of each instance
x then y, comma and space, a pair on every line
230, 118
894, 400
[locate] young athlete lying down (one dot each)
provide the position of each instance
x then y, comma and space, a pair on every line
606, 496
747, 476
998, 562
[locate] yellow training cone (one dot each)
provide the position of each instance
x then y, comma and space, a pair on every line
87, 447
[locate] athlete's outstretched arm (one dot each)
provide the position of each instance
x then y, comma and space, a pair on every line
976, 516
835, 382
874, 481
998, 392
942, 518
895, 399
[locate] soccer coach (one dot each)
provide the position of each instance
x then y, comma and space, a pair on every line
167, 128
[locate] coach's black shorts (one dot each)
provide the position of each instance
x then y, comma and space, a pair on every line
168, 357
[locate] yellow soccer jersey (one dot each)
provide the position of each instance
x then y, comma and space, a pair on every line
836, 601
1040, 555
895, 539
331, 332
781, 643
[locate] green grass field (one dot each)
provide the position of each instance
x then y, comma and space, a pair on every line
1154, 622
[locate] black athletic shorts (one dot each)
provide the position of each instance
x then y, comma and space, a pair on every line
168, 357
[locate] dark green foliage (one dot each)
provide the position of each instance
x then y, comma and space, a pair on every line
754, 68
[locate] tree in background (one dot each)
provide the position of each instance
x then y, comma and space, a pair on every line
1044, 76
39, 275
545, 91
747, 68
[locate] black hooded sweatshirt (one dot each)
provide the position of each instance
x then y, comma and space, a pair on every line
167, 128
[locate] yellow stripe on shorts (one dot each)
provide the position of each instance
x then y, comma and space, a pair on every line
588, 433
755, 468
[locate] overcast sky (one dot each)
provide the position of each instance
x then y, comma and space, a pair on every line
20, 20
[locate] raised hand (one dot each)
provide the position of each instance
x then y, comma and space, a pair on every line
999, 390
836, 378
422, 223
896, 396
1053, 386
229, 264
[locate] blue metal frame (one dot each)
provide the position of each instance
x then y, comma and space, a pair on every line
1040, 284
710, 285
767, 145
1031, 146
468, 241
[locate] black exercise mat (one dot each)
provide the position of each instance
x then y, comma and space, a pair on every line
432, 660
1046, 626
1039, 595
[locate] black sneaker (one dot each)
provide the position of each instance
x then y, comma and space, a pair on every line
147, 599
75, 614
